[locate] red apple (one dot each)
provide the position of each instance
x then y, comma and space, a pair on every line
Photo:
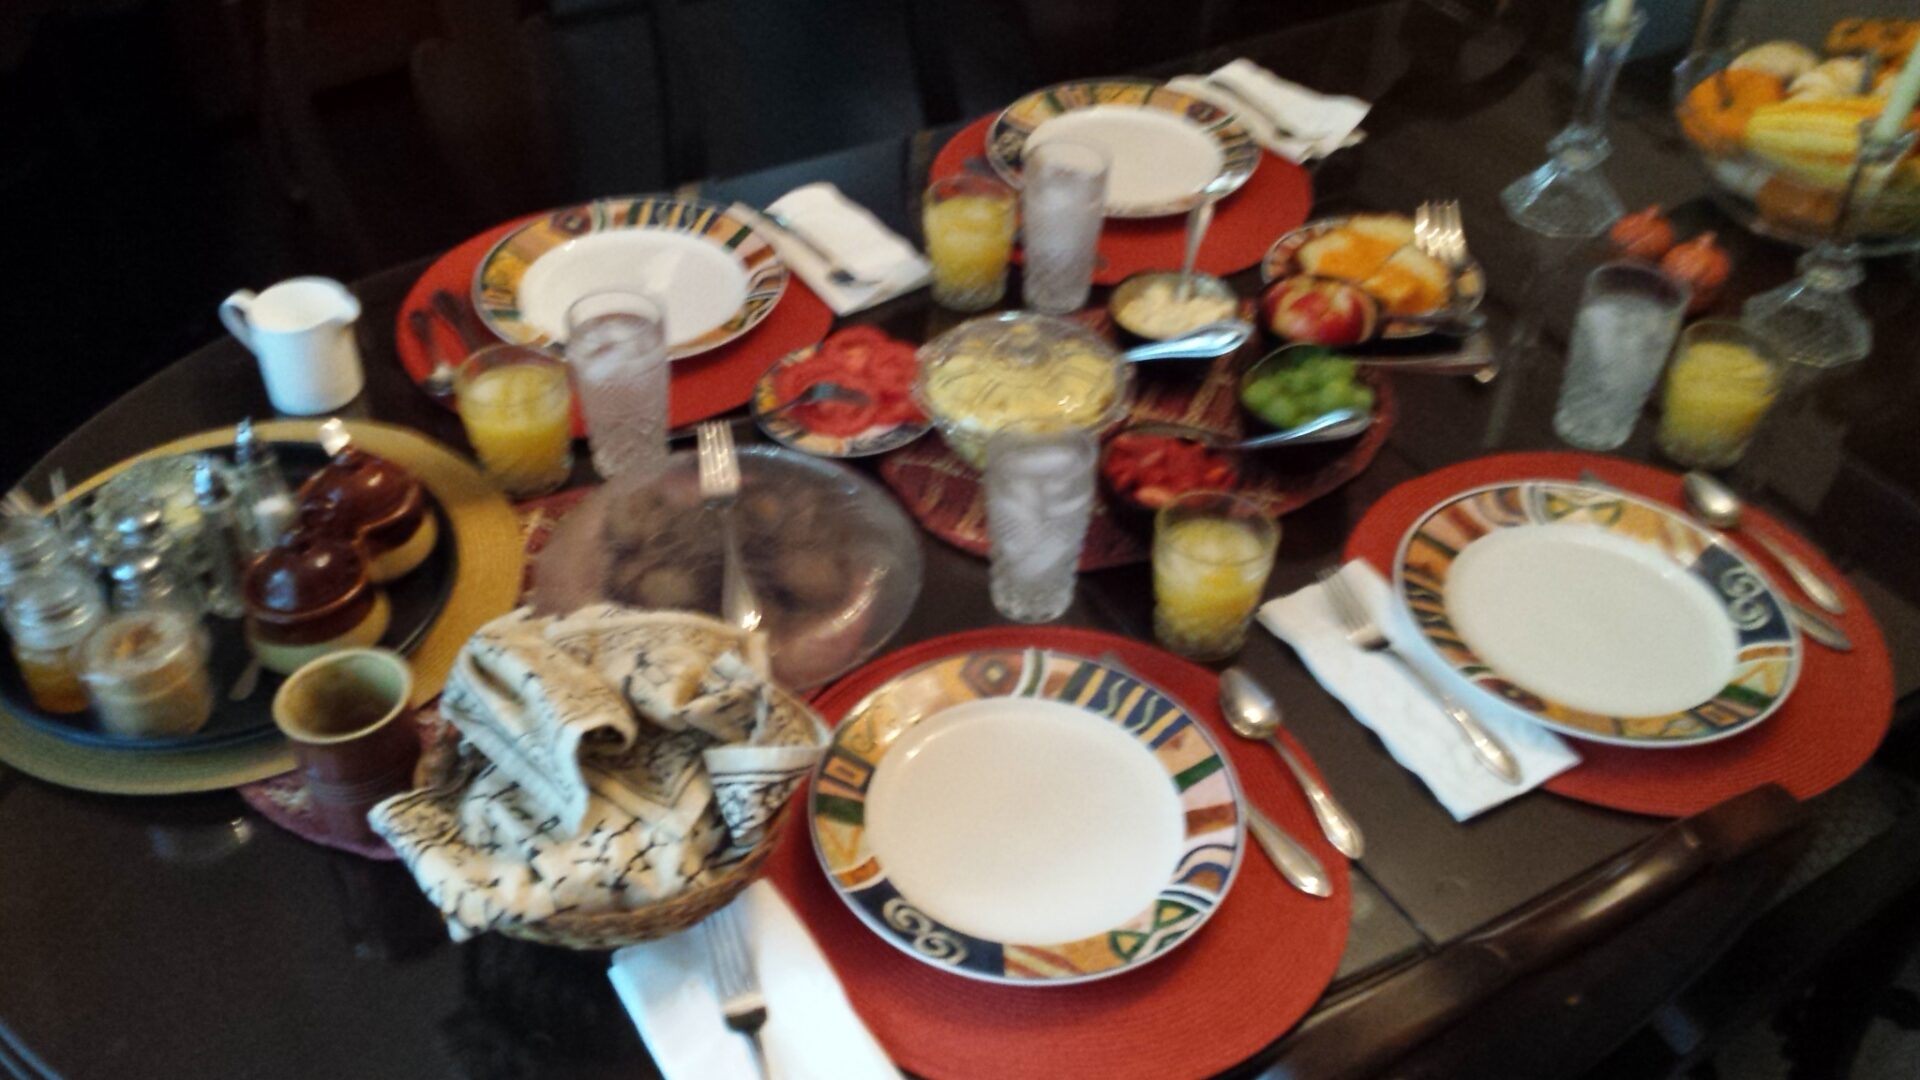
1318, 310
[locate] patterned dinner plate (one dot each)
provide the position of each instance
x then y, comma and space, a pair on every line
1164, 148
1599, 614
715, 274
1026, 817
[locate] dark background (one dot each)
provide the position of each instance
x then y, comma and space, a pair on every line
157, 154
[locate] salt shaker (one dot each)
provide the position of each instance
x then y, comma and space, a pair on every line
139, 533
222, 545
145, 579
263, 501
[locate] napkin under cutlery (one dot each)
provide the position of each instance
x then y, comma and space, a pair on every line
1385, 698
811, 1033
1297, 123
858, 242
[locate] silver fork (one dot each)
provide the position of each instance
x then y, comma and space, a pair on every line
719, 487
735, 981
1440, 233
1365, 633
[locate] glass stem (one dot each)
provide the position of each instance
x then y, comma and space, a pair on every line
1607, 48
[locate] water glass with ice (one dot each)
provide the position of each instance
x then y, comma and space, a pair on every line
1628, 319
1063, 200
1039, 500
617, 347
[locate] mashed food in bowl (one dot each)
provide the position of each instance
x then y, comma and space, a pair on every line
980, 379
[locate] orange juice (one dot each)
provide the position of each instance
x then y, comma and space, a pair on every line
1211, 557
1718, 390
969, 222
518, 415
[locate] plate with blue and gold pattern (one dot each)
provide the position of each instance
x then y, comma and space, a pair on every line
1028, 817
1165, 150
1598, 614
715, 274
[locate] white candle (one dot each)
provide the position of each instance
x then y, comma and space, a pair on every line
1618, 14
1900, 100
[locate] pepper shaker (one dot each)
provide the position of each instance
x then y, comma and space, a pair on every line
263, 501
146, 566
221, 543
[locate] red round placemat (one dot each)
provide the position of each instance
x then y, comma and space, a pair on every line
1274, 199
1246, 977
702, 386
1827, 730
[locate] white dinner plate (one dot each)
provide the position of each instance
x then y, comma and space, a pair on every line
1597, 613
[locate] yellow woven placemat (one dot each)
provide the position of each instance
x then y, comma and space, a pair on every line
487, 569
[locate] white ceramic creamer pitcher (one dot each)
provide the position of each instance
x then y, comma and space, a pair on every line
301, 331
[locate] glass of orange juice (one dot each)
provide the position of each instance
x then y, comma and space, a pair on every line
969, 222
517, 405
1723, 380
1212, 553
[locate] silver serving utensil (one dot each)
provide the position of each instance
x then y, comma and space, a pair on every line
334, 436
1206, 342
735, 982
1198, 220
447, 308
719, 487
248, 680
1327, 427
1717, 505
1365, 633
820, 391
836, 273
1254, 714
1440, 233
439, 381
1302, 869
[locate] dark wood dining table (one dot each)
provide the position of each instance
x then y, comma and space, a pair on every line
185, 936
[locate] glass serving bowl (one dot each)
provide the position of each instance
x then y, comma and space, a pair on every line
832, 559
1017, 367
1786, 180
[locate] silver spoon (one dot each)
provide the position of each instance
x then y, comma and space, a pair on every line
1327, 427
1717, 505
818, 392
1201, 343
1198, 221
1302, 869
1255, 715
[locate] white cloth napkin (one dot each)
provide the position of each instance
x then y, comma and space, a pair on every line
1383, 696
857, 241
1311, 125
812, 1033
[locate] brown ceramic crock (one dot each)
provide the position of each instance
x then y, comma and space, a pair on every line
350, 719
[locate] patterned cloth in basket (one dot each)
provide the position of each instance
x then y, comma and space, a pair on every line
606, 760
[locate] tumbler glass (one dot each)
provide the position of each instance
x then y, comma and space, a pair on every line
969, 221
617, 347
1039, 501
1063, 201
1628, 318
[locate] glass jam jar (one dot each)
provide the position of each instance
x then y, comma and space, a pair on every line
49, 615
146, 671
28, 546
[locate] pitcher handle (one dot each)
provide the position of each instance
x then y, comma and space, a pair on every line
233, 312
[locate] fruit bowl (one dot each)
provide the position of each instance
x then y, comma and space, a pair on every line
1779, 158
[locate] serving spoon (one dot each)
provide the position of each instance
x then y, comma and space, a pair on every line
1206, 342
1327, 427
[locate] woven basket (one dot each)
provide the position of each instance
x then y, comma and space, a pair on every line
615, 929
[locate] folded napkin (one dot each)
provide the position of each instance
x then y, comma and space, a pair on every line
858, 242
1286, 118
1382, 695
811, 1033
606, 760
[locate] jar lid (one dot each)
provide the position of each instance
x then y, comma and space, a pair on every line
306, 576
138, 643
27, 543
140, 566
356, 489
62, 596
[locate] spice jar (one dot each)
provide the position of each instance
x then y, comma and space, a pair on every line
146, 672
28, 546
49, 616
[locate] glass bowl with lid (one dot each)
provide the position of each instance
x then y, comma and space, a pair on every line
1019, 368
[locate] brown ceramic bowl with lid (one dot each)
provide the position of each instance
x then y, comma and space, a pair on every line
309, 597
371, 501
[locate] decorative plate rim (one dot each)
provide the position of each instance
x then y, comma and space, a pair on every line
792, 435
1007, 137
1470, 291
767, 274
916, 926
1464, 664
